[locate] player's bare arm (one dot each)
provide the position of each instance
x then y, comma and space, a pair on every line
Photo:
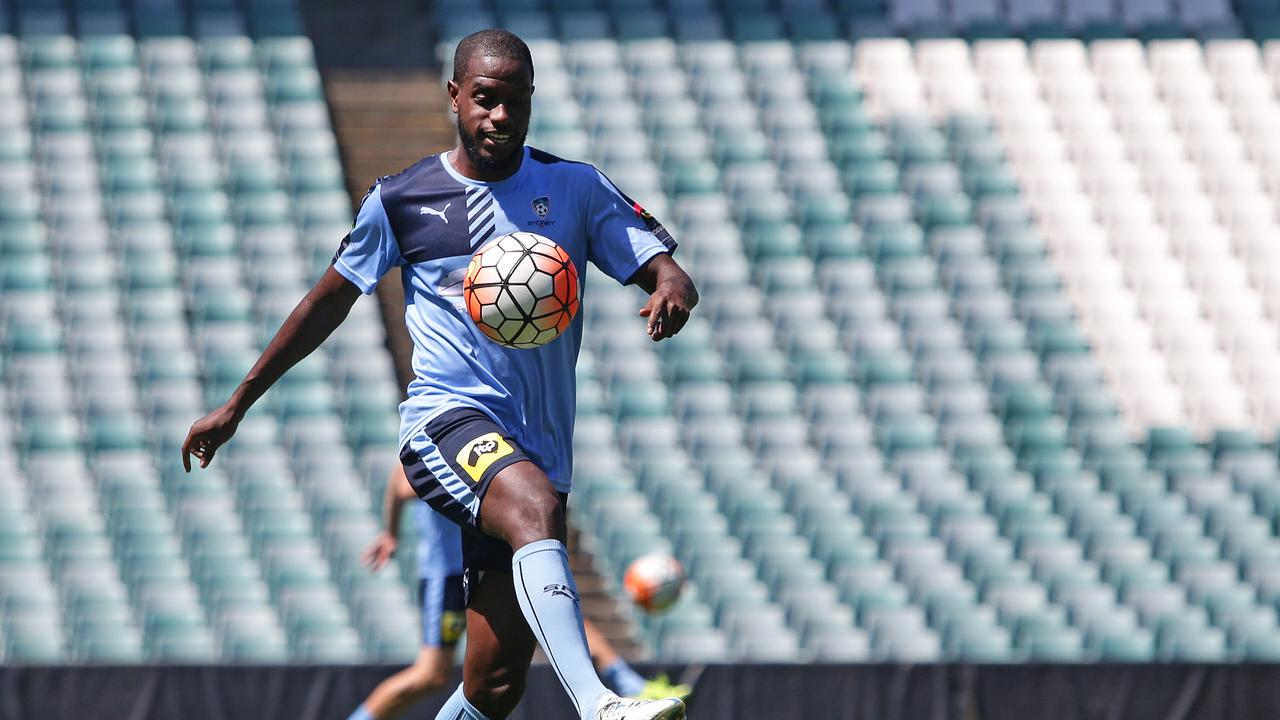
319, 313
671, 295
383, 547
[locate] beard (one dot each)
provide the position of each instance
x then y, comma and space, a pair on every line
486, 163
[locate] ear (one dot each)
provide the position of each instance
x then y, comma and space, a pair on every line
454, 88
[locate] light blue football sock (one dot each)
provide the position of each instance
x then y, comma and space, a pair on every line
457, 708
622, 679
361, 713
549, 599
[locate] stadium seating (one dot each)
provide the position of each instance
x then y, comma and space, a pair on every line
167, 200
985, 367
812, 21
922, 414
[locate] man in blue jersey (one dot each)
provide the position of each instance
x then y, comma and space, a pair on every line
439, 561
486, 431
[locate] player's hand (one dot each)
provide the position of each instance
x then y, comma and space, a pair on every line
207, 435
380, 551
668, 308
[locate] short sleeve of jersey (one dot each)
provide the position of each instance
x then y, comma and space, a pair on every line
623, 235
370, 249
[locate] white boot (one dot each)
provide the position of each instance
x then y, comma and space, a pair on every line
612, 707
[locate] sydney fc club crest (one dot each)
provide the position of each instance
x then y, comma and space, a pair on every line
542, 208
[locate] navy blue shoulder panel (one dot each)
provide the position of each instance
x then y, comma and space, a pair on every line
427, 210
544, 157
547, 158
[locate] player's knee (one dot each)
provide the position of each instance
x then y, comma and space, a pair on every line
497, 693
541, 517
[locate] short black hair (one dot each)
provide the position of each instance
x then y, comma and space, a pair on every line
493, 42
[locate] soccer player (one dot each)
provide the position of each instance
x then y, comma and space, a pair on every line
486, 431
443, 619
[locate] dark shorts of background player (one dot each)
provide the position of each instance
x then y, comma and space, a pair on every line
443, 605
450, 463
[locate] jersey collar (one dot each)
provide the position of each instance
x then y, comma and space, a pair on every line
448, 167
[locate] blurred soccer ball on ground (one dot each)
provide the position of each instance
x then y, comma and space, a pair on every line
521, 290
654, 582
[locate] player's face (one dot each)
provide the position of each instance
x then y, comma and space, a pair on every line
493, 102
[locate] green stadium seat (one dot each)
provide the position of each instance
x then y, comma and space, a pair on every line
1262, 648
1135, 646
109, 434
986, 645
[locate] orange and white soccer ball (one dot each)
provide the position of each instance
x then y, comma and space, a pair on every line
521, 290
654, 581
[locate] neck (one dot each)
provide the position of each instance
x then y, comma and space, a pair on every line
461, 161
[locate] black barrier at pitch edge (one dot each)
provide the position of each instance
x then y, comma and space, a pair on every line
722, 692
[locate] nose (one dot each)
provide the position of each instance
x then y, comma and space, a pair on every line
498, 114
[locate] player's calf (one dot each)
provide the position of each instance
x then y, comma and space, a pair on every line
499, 647
420, 681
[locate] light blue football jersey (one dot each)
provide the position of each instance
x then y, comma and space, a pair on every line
439, 543
429, 220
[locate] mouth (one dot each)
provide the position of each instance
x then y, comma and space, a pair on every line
498, 140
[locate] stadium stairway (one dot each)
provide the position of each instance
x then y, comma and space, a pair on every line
384, 122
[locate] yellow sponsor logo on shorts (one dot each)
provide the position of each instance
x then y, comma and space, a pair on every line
476, 456
452, 625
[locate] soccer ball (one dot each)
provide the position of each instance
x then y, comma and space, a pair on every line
521, 290
654, 581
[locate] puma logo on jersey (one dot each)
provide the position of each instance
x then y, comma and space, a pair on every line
424, 210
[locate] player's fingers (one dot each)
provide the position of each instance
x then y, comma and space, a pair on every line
186, 452
679, 317
673, 317
658, 324
206, 456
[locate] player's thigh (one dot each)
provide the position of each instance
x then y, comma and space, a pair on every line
499, 642
522, 506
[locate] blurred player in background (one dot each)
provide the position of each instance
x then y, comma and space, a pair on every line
486, 431
444, 613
